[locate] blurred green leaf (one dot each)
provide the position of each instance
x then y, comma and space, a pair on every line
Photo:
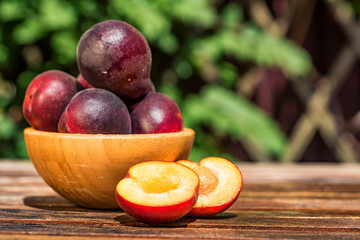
20, 147
11, 10
354, 6
64, 44
228, 74
232, 15
24, 79
233, 115
4, 54
168, 43
183, 69
29, 31
190, 12
143, 15
270, 50
254, 45
57, 14
7, 92
89, 8
7, 126
52, 15
206, 145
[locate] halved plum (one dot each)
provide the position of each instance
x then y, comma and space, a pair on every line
158, 191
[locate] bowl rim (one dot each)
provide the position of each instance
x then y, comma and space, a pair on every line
184, 133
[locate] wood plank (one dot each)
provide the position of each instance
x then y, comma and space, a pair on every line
277, 201
331, 173
227, 225
293, 187
234, 219
188, 233
243, 234
252, 172
311, 204
279, 189
24, 173
243, 203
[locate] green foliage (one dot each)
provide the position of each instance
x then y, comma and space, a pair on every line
51, 15
354, 6
194, 43
231, 114
254, 45
153, 18
7, 126
11, 10
64, 44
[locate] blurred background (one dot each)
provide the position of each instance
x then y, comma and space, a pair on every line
259, 81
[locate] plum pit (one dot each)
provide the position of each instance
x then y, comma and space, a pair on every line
208, 180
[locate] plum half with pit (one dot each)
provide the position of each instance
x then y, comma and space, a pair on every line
156, 113
114, 55
95, 111
46, 98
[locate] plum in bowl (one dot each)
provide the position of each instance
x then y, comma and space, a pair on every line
85, 168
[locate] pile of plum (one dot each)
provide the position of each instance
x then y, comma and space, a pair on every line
113, 93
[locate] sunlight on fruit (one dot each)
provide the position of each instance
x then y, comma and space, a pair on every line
159, 184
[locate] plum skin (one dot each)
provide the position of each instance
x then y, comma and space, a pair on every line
82, 83
157, 214
115, 56
46, 98
160, 213
95, 111
156, 113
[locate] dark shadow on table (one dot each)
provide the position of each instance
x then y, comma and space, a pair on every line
129, 221
57, 203
223, 215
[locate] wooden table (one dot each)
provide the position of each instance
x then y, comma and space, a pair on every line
277, 201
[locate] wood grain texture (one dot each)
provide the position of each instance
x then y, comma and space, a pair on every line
85, 168
300, 202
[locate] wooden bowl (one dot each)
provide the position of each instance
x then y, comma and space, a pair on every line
85, 168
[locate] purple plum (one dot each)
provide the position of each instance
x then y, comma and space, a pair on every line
46, 98
156, 113
95, 111
115, 56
